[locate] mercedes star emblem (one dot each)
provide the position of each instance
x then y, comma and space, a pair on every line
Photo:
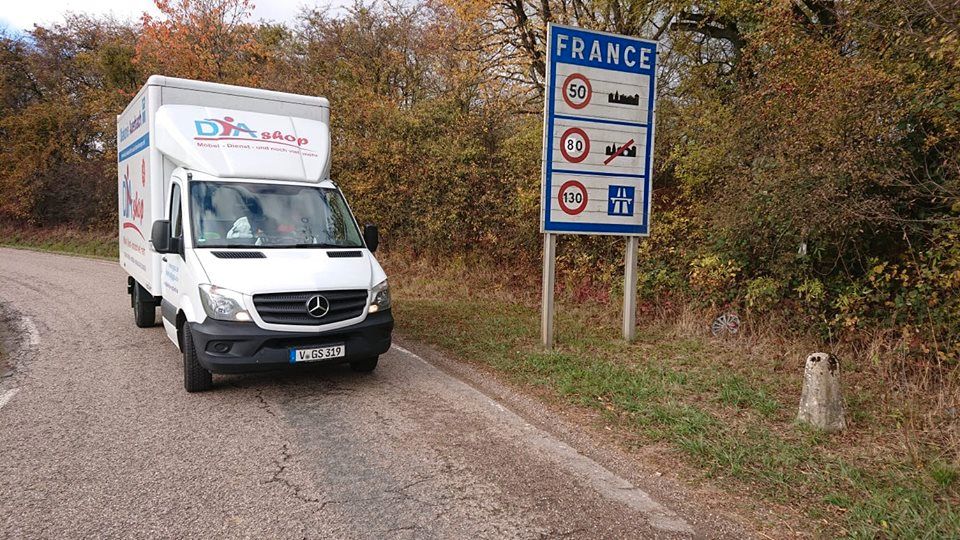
318, 306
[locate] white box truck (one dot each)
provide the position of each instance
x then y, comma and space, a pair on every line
230, 224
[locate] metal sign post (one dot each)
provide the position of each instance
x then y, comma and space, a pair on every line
630, 289
549, 275
597, 149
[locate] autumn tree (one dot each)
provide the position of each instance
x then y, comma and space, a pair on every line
60, 91
210, 40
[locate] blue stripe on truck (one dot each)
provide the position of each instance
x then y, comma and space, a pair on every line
134, 147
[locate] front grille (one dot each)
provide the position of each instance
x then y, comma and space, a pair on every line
291, 308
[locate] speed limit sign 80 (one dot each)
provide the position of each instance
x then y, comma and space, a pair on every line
574, 145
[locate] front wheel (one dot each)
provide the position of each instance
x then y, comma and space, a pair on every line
366, 365
195, 377
144, 308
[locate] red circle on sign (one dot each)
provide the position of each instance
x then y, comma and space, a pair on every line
566, 90
563, 146
581, 205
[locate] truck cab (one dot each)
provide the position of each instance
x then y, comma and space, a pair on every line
254, 257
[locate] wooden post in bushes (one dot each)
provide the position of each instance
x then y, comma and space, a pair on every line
821, 404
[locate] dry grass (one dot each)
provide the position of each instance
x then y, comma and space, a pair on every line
921, 401
89, 242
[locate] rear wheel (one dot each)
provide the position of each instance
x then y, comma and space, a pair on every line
144, 308
366, 365
195, 377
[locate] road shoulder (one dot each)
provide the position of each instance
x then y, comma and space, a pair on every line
652, 469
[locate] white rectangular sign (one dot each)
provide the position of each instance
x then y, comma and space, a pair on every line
598, 133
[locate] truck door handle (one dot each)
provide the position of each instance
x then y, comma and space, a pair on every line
164, 259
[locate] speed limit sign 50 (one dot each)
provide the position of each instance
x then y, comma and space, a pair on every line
577, 91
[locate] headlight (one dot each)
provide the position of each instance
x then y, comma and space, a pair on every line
222, 304
381, 297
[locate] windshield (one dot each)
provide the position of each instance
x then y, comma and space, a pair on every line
246, 215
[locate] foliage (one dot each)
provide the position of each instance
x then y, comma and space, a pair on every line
762, 294
60, 94
808, 155
199, 39
713, 276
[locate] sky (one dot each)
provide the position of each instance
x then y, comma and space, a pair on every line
20, 15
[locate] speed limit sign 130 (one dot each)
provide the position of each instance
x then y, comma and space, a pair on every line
572, 197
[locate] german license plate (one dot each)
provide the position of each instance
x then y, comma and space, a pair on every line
316, 354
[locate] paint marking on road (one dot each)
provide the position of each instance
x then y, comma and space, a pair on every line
8, 396
599, 477
33, 335
408, 353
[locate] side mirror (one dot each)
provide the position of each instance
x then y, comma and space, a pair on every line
160, 236
371, 236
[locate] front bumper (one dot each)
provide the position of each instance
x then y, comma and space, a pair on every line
252, 348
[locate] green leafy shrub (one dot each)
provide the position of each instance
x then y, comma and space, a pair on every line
713, 277
762, 294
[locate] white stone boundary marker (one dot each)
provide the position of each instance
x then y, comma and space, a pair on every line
821, 404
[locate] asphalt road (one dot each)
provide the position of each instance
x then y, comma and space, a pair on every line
98, 438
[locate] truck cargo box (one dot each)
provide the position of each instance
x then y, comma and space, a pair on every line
222, 130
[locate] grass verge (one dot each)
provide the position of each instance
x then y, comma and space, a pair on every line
726, 408
89, 243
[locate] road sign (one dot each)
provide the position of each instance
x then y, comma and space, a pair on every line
573, 197
597, 150
574, 145
598, 133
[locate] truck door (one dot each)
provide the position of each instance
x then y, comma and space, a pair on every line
172, 263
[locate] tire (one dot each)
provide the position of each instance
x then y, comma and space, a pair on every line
366, 365
144, 311
195, 377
